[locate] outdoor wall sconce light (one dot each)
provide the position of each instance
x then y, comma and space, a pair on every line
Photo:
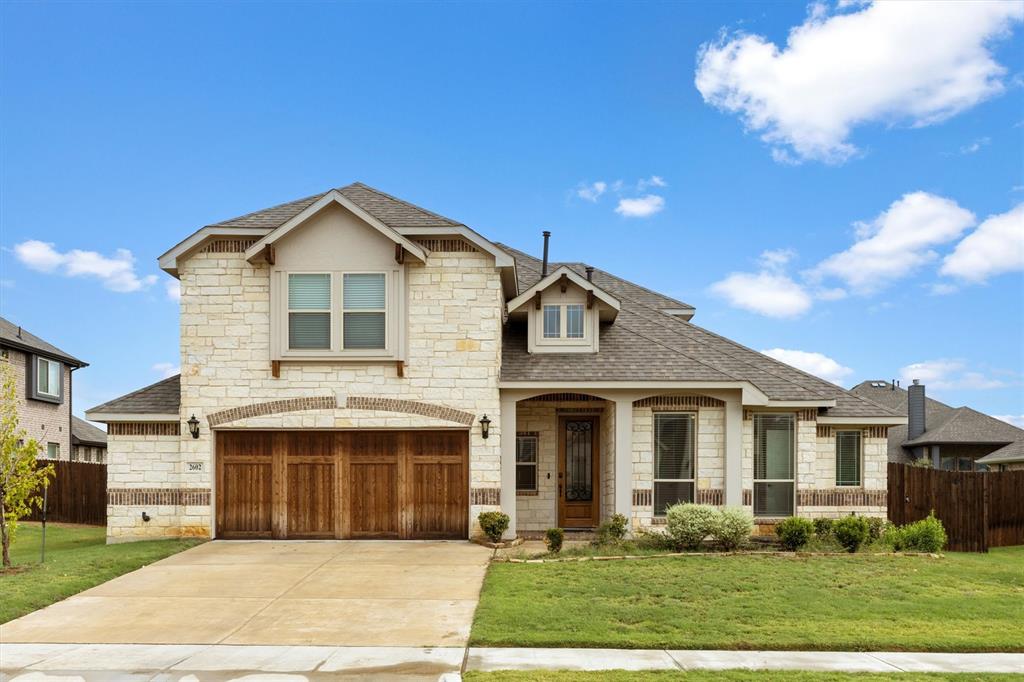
193, 426
485, 426
145, 517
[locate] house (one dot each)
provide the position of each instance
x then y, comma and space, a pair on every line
356, 366
952, 438
88, 443
43, 376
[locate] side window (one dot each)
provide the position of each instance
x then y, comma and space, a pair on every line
48, 377
53, 450
674, 455
848, 458
526, 463
774, 464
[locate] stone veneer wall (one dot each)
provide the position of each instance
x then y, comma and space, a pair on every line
710, 438
452, 361
46, 422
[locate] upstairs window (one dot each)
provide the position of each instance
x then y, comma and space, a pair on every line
363, 319
552, 322
848, 458
309, 311
48, 377
574, 321
337, 312
564, 321
53, 450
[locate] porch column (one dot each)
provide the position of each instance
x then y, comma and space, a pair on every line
507, 434
624, 457
734, 451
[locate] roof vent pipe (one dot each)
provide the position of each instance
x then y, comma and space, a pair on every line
544, 267
590, 273
915, 410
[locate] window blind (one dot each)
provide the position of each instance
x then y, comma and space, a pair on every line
309, 292
674, 450
774, 455
364, 330
364, 291
552, 322
526, 463
574, 321
848, 457
309, 330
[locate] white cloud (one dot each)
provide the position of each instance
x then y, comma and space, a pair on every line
641, 207
653, 181
766, 293
912, 62
976, 146
173, 288
776, 259
997, 246
814, 363
947, 374
1015, 419
591, 192
897, 242
166, 369
117, 273
943, 289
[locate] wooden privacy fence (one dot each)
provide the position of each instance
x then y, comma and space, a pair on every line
77, 494
978, 510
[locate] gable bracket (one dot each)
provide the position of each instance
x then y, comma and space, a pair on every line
269, 254
590, 298
399, 254
536, 301
563, 281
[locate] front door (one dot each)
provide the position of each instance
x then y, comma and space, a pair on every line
578, 466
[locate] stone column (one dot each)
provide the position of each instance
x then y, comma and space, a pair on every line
734, 451
624, 456
507, 434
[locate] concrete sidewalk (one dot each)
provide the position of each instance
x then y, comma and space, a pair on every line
225, 662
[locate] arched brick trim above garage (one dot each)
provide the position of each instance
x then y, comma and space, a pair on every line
355, 402
272, 407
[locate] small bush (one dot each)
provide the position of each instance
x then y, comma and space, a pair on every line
553, 538
493, 524
794, 532
689, 524
646, 538
926, 535
732, 528
851, 532
823, 527
612, 531
876, 527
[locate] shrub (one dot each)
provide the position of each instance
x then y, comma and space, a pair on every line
612, 531
851, 532
689, 524
553, 538
876, 527
646, 538
732, 527
926, 535
823, 527
493, 524
794, 532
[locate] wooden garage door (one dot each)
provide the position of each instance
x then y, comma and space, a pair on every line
355, 484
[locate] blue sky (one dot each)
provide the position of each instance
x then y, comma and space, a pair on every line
847, 190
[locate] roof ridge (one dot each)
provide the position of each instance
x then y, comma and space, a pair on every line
401, 201
176, 377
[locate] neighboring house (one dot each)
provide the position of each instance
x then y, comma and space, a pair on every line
353, 365
952, 438
43, 376
88, 443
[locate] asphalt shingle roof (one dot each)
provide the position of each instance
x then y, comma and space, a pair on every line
82, 432
14, 336
1014, 452
390, 210
163, 397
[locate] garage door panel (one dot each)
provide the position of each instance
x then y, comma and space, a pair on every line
439, 499
373, 499
245, 492
311, 499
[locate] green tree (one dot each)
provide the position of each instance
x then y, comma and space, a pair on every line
21, 478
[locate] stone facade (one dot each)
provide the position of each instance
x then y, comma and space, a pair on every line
45, 422
453, 318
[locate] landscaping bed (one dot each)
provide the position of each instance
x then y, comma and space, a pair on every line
77, 558
963, 602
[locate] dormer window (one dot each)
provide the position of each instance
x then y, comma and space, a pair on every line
564, 321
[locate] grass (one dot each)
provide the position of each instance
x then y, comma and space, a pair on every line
729, 676
960, 602
77, 558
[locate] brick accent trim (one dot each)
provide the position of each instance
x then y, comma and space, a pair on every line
228, 246
198, 497
355, 402
876, 432
579, 410
457, 245
824, 431
485, 496
643, 497
272, 407
712, 496
837, 497
562, 397
748, 497
144, 429
527, 493
679, 401
807, 415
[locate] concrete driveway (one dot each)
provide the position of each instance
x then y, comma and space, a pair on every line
335, 593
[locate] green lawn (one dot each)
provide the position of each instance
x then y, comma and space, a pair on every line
960, 602
77, 558
728, 676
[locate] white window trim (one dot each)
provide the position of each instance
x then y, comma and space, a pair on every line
394, 333
860, 459
535, 464
793, 453
39, 374
654, 456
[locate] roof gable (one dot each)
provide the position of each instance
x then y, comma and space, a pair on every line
161, 399
563, 273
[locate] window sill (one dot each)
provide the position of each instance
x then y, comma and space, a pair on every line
337, 358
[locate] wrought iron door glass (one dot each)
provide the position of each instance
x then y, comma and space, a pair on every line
579, 461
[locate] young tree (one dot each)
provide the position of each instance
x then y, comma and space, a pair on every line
21, 478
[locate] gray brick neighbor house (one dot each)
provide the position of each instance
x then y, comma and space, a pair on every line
354, 366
